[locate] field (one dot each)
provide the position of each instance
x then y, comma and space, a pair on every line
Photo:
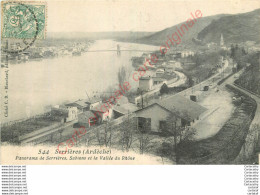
12, 132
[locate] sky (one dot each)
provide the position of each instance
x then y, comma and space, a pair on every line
134, 15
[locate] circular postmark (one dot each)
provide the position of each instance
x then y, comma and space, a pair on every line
21, 16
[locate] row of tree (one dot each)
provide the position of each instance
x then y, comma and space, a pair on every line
250, 78
238, 54
132, 135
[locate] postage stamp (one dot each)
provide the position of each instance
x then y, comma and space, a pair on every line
23, 20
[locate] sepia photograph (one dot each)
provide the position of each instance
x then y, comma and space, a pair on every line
130, 82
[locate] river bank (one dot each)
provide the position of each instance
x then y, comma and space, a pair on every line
34, 86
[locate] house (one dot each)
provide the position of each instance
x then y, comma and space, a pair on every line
86, 104
159, 72
79, 104
146, 83
123, 107
72, 114
173, 65
87, 119
187, 54
93, 102
102, 111
69, 113
158, 80
155, 115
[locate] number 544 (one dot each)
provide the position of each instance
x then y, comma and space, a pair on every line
43, 151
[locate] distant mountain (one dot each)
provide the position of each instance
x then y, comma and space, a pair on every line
235, 28
160, 37
97, 35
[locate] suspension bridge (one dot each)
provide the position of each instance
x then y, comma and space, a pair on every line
120, 49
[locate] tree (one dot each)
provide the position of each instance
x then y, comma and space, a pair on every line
88, 137
144, 139
108, 134
252, 141
181, 134
104, 135
239, 55
165, 150
173, 130
99, 137
164, 89
126, 133
121, 75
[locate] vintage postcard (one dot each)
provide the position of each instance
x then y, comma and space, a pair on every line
130, 82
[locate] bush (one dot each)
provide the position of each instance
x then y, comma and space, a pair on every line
164, 89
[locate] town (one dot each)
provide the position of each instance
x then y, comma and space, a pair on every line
41, 51
184, 104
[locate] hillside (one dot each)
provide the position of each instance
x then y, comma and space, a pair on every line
161, 36
235, 28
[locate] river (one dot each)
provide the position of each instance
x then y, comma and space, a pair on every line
33, 85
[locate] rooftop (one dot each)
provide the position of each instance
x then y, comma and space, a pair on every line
78, 103
125, 108
86, 115
84, 102
92, 100
182, 106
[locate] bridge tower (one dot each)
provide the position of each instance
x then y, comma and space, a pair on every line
221, 40
118, 50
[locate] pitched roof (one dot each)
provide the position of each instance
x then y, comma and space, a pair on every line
86, 115
92, 100
125, 108
182, 106
78, 103
151, 105
84, 103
